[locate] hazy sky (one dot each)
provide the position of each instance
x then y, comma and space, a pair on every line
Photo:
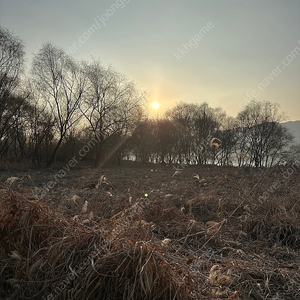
193, 51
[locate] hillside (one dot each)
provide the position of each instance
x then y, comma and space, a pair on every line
294, 127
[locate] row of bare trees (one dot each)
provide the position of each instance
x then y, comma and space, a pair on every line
254, 138
63, 101
66, 105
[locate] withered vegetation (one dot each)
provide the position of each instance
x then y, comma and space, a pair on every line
206, 233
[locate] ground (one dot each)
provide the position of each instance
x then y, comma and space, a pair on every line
160, 232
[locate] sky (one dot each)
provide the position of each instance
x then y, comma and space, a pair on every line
223, 52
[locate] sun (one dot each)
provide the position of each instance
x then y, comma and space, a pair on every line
155, 105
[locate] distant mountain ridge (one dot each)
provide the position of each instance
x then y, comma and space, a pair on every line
294, 127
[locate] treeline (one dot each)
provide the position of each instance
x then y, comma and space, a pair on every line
67, 108
254, 138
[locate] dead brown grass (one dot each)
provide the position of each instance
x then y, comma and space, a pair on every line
194, 237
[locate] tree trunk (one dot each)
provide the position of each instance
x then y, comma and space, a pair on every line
53, 155
98, 152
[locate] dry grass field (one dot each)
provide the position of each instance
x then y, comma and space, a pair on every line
150, 233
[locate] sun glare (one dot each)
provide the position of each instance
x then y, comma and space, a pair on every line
155, 105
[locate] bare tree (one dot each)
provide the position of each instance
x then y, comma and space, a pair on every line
165, 140
40, 127
113, 105
262, 137
196, 125
13, 138
229, 139
207, 124
182, 116
142, 142
11, 63
62, 84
